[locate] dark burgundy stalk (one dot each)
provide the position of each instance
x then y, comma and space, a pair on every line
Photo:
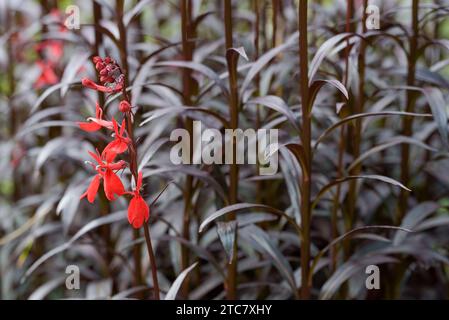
306, 143
187, 83
104, 203
231, 284
407, 123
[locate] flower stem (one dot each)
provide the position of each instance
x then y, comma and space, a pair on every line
146, 229
133, 151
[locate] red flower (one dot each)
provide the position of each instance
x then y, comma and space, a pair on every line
112, 184
92, 85
47, 76
52, 50
138, 210
97, 122
111, 76
92, 190
120, 142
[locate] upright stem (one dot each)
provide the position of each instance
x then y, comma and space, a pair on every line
98, 41
186, 16
349, 14
259, 183
231, 283
133, 152
275, 5
355, 131
104, 203
133, 159
352, 145
336, 200
359, 106
407, 123
306, 143
146, 230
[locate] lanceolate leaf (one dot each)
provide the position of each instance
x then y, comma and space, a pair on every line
111, 218
364, 115
323, 51
72, 68
226, 232
327, 187
171, 294
208, 72
263, 60
318, 84
48, 92
347, 270
267, 245
414, 217
438, 107
277, 104
439, 111
242, 206
383, 146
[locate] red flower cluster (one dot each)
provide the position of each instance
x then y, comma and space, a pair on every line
111, 76
111, 79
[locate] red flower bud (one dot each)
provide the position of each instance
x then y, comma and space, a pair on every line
138, 210
99, 66
124, 106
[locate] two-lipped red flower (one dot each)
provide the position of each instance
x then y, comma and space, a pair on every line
52, 50
50, 53
47, 74
138, 210
112, 184
120, 142
96, 123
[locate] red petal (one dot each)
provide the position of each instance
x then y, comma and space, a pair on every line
95, 156
89, 126
121, 146
102, 123
98, 111
117, 165
50, 76
92, 189
115, 124
122, 128
138, 212
139, 181
92, 85
112, 185
47, 76
108, 155
116, 146
57, 49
